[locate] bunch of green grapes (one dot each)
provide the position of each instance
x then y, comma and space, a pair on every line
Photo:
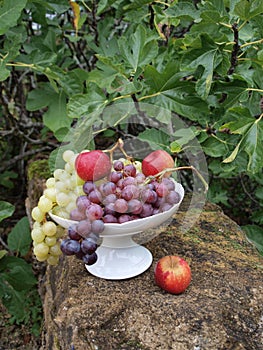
60, 194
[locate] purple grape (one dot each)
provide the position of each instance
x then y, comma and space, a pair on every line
121, 206
134, 206
73, 234
147, 210
94, 212
159, 202
129, 192
82, 203
118, 165
140, 178
88, 187
90, 259
95, 196
165, 207
173, 197
111, 198
77, 215
88, 246
83, 228
162, 190
70, 247
129, 180
155, 211
94, 236
109, 209
115, 176
149, 196
169, 183
110, 219
124, 218
129, 170
120, 184
97, 226
108, 188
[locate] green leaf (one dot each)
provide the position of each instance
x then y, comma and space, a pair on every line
10, 12
208, 57
214, 148
19, 239
246, 10
83, 104
157, 139
2, 253
254, 234
251, 143
139, 49
6, 210
4, 72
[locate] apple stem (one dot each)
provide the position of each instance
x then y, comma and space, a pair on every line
119, 144
170, 170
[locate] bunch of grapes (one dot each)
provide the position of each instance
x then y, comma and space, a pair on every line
126, 195
61, 193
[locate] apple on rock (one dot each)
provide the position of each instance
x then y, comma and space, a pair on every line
156, 161
92, 165
173, 274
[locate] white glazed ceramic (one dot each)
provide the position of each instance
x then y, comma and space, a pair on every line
119, 257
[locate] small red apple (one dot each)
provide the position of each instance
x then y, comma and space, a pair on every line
156, 161
172, 274
92, 165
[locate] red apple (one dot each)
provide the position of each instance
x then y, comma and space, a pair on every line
156, 161
92, 165
172, 274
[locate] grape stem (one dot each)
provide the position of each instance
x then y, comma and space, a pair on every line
170, 170
119, 144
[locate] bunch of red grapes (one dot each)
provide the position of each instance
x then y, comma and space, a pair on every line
126, 195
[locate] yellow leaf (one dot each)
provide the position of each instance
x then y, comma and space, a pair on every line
76, 11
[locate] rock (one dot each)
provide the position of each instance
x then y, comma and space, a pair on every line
221, 309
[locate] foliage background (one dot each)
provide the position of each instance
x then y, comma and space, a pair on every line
63, 61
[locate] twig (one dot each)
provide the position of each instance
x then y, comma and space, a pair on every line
235, 50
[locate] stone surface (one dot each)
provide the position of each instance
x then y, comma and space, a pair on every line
221, 309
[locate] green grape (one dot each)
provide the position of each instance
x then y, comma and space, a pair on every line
49, 228
50, 193
37, 214
55, 249
68, 155
52, 260
62, 199
41, 250
51, 240
50, 182
45, 204
38, 235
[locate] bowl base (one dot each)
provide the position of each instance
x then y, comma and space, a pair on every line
120, 263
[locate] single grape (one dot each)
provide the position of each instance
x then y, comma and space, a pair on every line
88, 186
68, 155
118, 165
37, 235
82, 202
134, 206
95, 196
77, 215
97, 226
111, 198
109, 209
49, 228
162, 190
70, 247
50, 241
115, 176
173, 197
37, 214
45, 204
121, 206
129, 180
73, 233
108, 188
140, 178
165, 207
169, 183
88, 246
94, 212
50, 193
62, 199
94, 236
90, 259
83, 228
120, 184
41, 250
129, 170
149, 196
55, 249
147, 210
50, 182
109, 219
129, 192
124, 218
